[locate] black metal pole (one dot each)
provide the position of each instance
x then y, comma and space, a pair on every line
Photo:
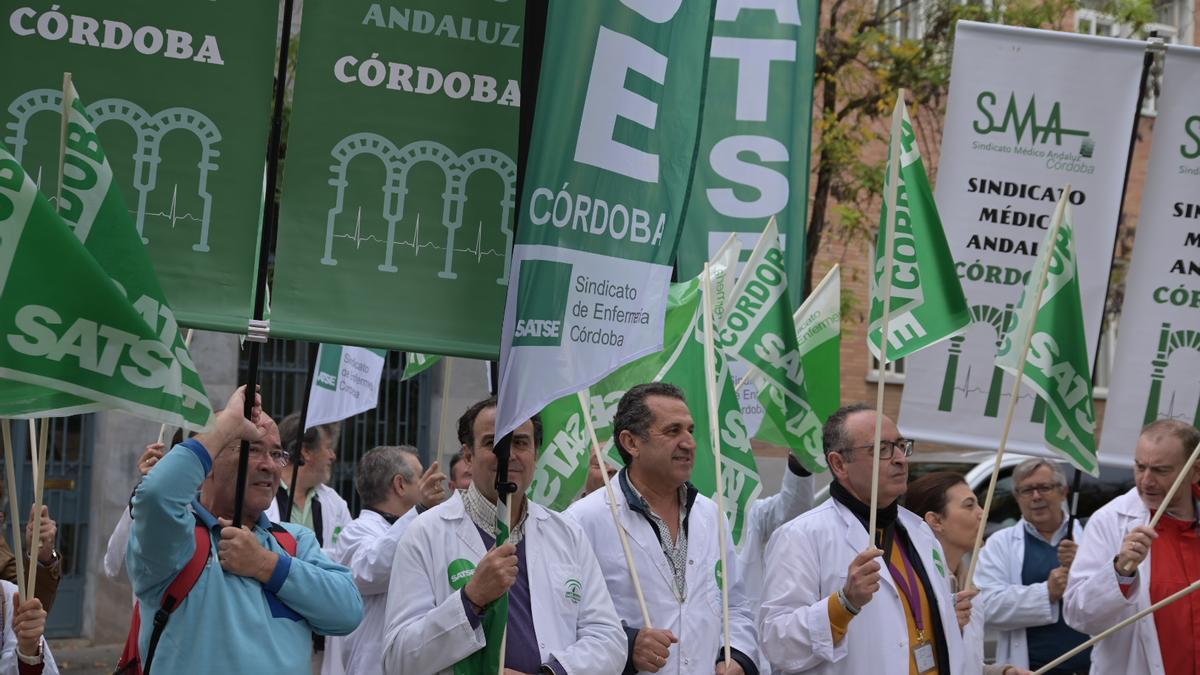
1147, 62
297, 449
1075, 483
270, 219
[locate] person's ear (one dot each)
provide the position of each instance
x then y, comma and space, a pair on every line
934, 521
468, 453
398, 484
629, 441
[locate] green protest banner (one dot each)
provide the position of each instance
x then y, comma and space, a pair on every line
68, 326
927, 302
754, 152
399, 189
620, 100
182, 99
1057, 366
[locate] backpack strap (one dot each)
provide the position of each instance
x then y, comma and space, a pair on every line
178, 590
285, 538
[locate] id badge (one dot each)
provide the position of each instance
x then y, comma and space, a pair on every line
923, 654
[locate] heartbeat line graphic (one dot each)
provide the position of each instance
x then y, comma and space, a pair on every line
967, 389
416, 245
172, 215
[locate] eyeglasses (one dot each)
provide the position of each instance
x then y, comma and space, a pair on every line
886, 448
1045, 489
280, 457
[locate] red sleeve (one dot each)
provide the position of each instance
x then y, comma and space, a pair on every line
26, 669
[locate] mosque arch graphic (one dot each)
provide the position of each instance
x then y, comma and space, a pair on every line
150, 131
1169, 342
398, 162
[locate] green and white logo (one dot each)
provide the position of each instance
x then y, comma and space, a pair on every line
540, 315
1191, 149
996, 117
459, 573
719, 573
937, 562
574, 586
327, 368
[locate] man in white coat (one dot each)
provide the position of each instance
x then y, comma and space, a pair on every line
1023, 571
829, 605
672, 532
1123, 566
448, 573
393, 487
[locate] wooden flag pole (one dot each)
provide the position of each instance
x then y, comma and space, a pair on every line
187, 344
446, 371
1195, 585
714, 436
37, 453
888, 238
1055, 225
612, 503
6, 430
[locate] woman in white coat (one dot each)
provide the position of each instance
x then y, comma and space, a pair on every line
952, 511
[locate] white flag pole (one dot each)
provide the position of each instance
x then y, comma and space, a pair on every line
37, 452
1055, 226
1187, 590
187, 344
18, 546
893, 186
612, 503
714, 435
447, 369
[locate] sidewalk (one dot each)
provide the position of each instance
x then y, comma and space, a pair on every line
81, 657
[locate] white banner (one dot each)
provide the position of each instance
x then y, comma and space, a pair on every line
1157, 371
346, 383
1029, 111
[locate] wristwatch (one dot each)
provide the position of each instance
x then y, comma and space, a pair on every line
54, 558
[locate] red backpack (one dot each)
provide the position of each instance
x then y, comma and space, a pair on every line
131, 662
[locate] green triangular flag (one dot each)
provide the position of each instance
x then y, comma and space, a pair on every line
67, 324
819, 340
1057, 366
927, 302
759, 329
415, 364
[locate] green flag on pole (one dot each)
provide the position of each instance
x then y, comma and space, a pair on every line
68, 326
1057, 366
416, 363
819, 340
760, 330
927, 301
562, 464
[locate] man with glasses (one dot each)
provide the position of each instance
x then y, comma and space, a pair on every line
254, 606
836, 600
1023, 572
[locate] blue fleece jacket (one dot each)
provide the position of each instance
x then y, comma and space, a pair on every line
229, 624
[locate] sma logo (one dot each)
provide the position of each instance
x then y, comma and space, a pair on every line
1013, 119
1191, 149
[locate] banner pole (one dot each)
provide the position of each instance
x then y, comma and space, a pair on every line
297, 450
1076, 481
37, 452
1055, 225
448, 365
714, 436
13, 501
270, 219
1187, 590
888, 238
612, 503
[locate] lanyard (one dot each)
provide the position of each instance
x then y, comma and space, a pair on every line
909, 584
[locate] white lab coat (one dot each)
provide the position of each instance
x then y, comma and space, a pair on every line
1011, 605
697, 621
428, 630
1094, 601
368, 547
807, 561
335, 516
8, 649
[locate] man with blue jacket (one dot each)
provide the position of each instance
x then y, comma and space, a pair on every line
254, 606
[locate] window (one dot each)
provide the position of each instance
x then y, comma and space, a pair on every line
892, 374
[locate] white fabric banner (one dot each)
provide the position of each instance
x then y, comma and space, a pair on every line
1029, 111
346, 383
1157, 371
